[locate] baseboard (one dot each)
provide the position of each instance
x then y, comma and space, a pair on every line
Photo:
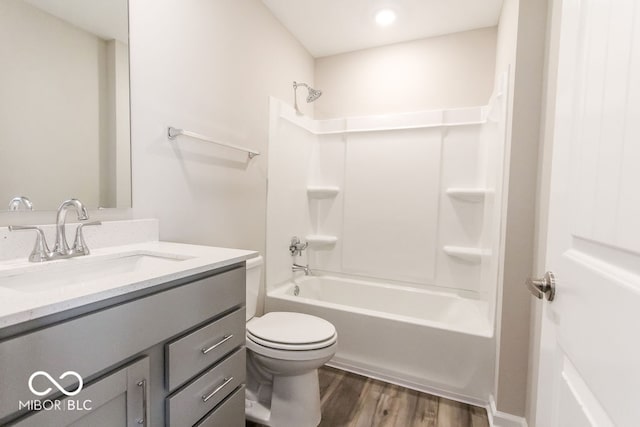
502, 419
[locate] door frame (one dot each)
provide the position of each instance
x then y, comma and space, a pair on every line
547, 129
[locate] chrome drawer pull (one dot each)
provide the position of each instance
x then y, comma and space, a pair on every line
143, 420
220, 387
218, 344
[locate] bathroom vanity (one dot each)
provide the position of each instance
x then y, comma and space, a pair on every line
156, 332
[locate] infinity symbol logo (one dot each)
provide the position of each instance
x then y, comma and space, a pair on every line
55, 383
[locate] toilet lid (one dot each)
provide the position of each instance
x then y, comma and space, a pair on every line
291, 328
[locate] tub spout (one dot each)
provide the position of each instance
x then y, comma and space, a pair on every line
305, 268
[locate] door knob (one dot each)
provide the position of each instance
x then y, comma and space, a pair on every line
546, 286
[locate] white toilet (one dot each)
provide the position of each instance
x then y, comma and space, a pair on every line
284, 352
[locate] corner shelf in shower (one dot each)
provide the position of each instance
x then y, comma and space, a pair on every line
467, 254
316, 240
322, 191
474, 195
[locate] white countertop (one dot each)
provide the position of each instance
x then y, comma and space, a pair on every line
20, 304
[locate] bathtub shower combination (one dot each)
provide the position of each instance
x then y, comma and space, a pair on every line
402, 214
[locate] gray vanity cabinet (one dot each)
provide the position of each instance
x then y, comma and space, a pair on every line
229, 414
169, 355
118, 399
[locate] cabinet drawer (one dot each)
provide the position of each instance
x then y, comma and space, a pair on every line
229, 414
191, 354
93, 342
200, 396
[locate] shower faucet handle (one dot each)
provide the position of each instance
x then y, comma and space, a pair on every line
297, 246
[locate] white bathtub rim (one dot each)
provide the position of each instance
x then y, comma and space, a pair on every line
442, 290
281, 293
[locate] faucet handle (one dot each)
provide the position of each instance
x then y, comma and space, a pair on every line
79, 245
40, 250
297, 246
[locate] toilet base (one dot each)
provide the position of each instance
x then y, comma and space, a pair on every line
294, 399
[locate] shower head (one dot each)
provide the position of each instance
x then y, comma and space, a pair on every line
311, 96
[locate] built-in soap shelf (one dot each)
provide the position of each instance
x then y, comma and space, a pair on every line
474, 195
316, 240
322, 191
468, 254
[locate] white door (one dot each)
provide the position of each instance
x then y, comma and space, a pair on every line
590, 344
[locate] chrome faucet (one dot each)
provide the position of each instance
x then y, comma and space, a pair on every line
61, 247
305, 268
295, 248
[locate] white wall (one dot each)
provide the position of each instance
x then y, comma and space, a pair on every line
451, 71
51, 79
208, 66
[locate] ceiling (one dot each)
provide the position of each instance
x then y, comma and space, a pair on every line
107, 19
329, 27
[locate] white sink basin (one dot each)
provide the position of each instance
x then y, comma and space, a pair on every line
82, 270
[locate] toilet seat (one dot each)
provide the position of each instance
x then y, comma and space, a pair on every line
288, 330
291, 355
279, 334
292, 347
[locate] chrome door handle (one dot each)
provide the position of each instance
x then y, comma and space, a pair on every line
546, 286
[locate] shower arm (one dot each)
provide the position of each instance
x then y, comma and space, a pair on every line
295, 94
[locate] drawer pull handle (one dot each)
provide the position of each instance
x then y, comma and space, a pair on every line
220, 387
218, 344
143, 420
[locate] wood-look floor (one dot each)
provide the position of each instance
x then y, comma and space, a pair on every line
350, 400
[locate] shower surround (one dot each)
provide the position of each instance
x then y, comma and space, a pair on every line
402, 214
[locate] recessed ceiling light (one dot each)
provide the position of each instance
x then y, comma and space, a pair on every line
385, 17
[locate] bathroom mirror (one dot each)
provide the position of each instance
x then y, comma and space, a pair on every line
64, 103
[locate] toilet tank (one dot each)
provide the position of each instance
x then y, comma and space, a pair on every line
254, 271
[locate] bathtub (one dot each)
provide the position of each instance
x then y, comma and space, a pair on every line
436, 342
